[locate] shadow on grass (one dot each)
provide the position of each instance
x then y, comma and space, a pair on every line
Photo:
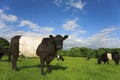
58, 67
8, 60
4, 61
53, 67
24, 67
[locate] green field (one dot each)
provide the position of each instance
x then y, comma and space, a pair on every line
73, 68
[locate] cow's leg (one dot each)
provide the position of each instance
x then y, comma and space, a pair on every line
48, 63
48, 66
104, 62
107, 62
14, 61
116, 62
42, 62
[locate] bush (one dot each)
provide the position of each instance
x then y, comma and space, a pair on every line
4, 44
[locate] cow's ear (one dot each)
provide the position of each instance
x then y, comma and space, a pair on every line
51, 36
65, 37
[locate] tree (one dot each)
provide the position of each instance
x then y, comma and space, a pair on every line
87, 52
64, 52
4, 44
75, 52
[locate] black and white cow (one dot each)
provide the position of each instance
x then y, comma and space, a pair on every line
109, 56
59, 57
45, 48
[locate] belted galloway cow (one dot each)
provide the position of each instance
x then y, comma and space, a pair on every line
59, 57
105, 57
45, 48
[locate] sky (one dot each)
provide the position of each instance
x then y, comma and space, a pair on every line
88, 23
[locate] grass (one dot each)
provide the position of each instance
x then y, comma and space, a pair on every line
73, 68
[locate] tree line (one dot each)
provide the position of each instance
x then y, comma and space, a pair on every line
87, 52
4, 43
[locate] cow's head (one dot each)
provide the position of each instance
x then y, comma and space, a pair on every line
58, 41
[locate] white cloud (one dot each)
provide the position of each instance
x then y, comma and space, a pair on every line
9, 28
77, 4
1, 11
28, 23
72, 41
108, 30
7, 17
71, 24
46, 30
57, 2
35, 27
105, 38
2, 24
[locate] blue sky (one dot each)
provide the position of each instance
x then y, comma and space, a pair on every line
89, 23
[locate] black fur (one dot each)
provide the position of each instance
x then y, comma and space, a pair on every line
47, 50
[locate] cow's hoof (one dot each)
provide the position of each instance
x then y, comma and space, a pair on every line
16, 69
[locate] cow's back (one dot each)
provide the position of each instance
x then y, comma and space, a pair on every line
28, 45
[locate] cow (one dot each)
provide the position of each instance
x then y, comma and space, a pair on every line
87, 58
46, 49
109, 56
59, 57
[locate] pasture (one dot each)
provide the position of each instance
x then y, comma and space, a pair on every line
73, 68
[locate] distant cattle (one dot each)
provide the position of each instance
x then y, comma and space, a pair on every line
4, 47
87, 58
45, 48
59, 57
109, 56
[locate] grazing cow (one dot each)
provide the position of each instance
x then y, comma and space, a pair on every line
59, 57
87, 58
109, 56
46, 49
